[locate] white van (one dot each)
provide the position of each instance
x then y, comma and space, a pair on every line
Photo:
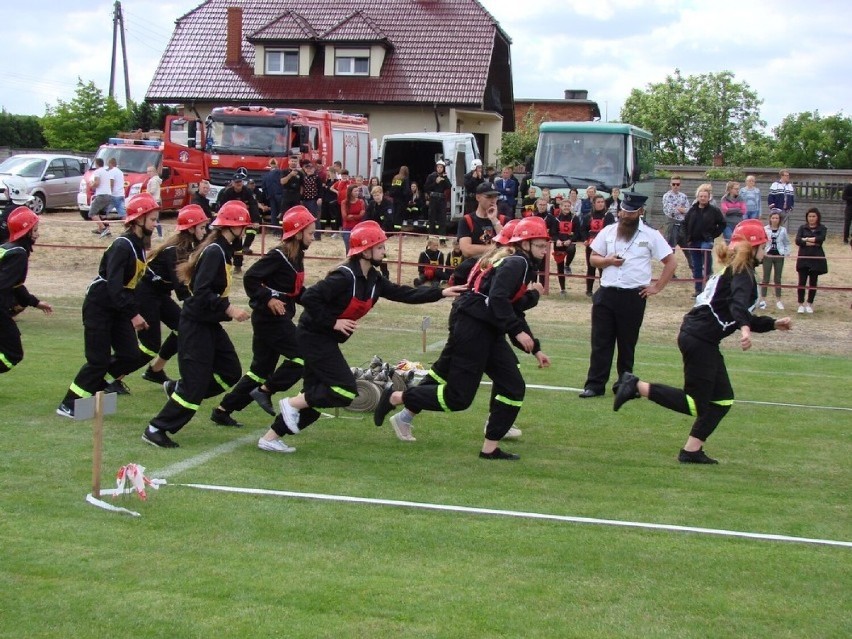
419, 152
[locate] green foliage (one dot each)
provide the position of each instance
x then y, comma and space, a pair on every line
726, 174
162, 111
142, 116
84, 122
518, 147
697, 117
808, 140
21, 131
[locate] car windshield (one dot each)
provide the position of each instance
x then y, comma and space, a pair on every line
23, 166
132, 159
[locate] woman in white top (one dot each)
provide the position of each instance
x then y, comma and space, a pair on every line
777, 248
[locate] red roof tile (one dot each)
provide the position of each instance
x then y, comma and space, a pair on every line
441, 53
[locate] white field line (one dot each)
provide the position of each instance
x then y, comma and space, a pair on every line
521, 514
203, 458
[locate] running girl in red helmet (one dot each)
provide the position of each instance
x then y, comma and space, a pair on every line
724, 306
22, 226
208, 363
111, 314
332, 308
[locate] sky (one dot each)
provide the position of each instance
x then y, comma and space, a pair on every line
789, 52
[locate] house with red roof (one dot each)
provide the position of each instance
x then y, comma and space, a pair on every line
409, 65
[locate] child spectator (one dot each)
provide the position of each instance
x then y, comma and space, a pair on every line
430, 265
777, 248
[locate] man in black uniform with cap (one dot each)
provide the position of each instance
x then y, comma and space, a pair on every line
625, 252
238, 191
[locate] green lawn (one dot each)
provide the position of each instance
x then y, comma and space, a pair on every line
212, 564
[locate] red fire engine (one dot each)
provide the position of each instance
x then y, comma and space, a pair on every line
247, 137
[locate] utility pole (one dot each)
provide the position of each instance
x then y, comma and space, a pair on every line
118, 28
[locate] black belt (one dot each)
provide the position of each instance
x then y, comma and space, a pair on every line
436, 194
622, 290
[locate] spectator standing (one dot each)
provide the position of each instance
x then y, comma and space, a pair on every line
477, 230
847, 211
312, 194
702, 225
777, 248
436, 186
723, 308
416, 206
238, 191
811, 262
587, 204
101, 198
508, 187
271, 183
352, 211
733, 208
675, 206
116, 185
625, 252
200, 197
613, 202
22, 225
291, 185
400, 190
592, 224
576, 203
750, 194
472, 180
154, 186
565, 248
781, 195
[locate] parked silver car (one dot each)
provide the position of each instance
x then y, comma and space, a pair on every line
53, 180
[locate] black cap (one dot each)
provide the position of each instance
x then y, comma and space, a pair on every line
486, 188
633, 202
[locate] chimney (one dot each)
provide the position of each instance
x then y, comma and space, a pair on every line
234, 37
576, 94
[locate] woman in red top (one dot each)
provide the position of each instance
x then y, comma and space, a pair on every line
352, 211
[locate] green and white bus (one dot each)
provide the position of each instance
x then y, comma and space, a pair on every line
602, 154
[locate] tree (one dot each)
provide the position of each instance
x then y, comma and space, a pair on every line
21, 131
142, 116
518, 147
807, 140
84, 122
696, 118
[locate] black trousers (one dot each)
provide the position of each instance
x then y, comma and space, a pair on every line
436, 213
617, 315
111, 348
563, 261
271, 340
590, 271
209, 365
11, 349
478, 349
707, 394
157, 308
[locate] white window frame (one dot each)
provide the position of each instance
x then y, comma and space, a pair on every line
351, 56
282, 55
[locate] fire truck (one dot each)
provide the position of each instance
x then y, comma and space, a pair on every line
247, 137
133, 154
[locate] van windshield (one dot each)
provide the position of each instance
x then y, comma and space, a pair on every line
131, 159
23, 166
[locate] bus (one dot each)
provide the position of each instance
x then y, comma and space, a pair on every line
600, 154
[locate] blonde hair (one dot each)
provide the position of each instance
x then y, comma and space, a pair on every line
494, 255
704, 187
377, 189
739, 256
730, 186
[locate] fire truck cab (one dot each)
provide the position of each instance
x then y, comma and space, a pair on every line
134, 156
247, 137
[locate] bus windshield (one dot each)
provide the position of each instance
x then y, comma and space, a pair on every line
578, 159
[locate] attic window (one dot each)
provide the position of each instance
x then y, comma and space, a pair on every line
282, 62
352, 62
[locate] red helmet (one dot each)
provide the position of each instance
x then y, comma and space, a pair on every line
365, 236
21, 221
139, 205
505, 234
232, 213
530, 228
189, 216
750, 231
295, 219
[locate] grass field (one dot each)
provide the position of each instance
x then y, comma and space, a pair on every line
211, 564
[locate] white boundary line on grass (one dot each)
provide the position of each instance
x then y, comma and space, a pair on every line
571, 389
520, 514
